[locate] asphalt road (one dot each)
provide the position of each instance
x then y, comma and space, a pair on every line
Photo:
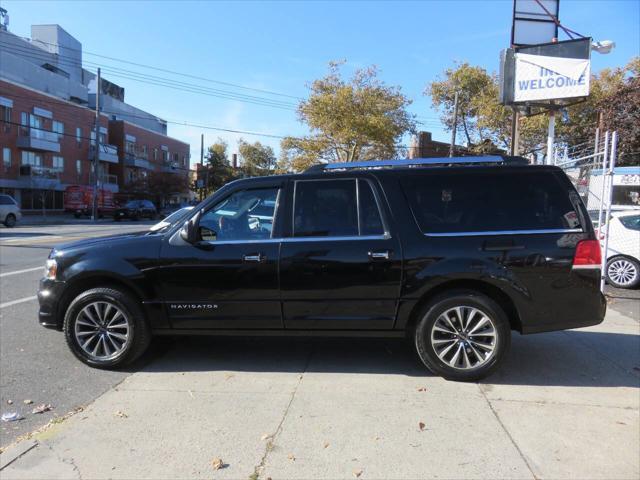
35, 363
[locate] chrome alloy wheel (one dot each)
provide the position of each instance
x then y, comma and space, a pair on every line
102, 330
464, 338
623, 272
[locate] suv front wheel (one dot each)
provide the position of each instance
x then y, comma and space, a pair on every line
106, 328
462, 335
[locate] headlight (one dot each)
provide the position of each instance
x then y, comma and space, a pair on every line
50, 269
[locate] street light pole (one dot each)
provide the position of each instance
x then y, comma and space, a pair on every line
94, 210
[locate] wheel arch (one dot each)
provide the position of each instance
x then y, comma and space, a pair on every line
78, 285
491, 291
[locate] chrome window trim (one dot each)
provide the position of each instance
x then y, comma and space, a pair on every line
505, 232
300, 239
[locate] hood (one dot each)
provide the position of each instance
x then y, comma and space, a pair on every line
103, 241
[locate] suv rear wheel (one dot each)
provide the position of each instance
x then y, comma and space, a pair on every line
462, 335
106, 328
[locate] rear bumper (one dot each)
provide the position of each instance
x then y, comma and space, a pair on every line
49, 293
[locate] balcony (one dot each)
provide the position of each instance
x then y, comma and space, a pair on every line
108, 153
106, 181
171, 167
132, 160
38, 139
39, 177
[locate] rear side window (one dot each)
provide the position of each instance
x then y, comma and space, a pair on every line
335, 208
467, 202
632, 222
6, 200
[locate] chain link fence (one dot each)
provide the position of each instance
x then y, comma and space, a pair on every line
612, 197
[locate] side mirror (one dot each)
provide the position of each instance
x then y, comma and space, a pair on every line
190, 232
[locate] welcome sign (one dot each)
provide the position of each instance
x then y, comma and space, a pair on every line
539, 77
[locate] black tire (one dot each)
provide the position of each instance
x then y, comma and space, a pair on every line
139, 331
76, 215
631, 278
445, 303
10, 221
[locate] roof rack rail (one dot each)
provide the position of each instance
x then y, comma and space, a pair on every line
419, 162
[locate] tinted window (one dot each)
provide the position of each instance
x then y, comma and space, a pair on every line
148, 204
632, 222
244, 215
132, 204
477, 202
325, 208
370, 221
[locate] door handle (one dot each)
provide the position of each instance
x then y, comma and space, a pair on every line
254, 257
380, 255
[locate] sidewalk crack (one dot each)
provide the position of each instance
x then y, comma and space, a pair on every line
257, 471
504, 428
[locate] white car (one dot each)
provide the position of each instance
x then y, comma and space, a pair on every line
9, 211
623, 256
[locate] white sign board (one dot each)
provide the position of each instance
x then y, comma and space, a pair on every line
538, 77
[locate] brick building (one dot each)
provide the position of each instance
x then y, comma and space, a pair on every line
47, 125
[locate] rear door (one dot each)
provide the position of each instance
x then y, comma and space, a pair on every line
340, 265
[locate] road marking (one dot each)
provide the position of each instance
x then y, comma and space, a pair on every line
20, 300
17, 272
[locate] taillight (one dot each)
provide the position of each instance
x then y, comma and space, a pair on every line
587, 254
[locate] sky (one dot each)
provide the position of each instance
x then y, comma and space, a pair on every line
282, 46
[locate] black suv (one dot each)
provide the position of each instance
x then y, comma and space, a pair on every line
135, 210
451, 253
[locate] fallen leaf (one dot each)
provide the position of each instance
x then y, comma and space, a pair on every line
326, 445
376, 438
621, 423
190, 393
227, 376
421, 425
265, 436
357, 473
422, 389
41, 408
121, 414
27, 402
291, 457
217, 463
9, 402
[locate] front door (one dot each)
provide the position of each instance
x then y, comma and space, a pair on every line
229, 280
340, 268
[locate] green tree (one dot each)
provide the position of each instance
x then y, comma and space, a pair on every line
258, 159
349, 120
217, 171
162, 185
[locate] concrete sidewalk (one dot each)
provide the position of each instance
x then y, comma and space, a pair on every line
564, 405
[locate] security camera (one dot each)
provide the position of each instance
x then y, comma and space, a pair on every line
604, 46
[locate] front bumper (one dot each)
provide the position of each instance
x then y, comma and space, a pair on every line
49, 294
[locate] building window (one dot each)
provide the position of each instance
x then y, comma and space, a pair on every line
5, 116
144, 151
176, 158
58, 127
79, 135
130, 147
31, 158
164, 156
184, 160
6, 157
79, 167
155, 154
58, 163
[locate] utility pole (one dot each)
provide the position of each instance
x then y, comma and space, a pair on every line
206, 173
515, 134
455, 125
551, 137
96, 154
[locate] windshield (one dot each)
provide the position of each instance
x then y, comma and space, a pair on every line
131, 204
172, 219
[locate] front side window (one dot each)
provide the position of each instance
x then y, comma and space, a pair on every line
244, 215
485, 202
6, 200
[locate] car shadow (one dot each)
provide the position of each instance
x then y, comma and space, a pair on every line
571, 358
8, 233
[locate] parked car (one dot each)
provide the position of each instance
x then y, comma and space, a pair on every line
9, 211
78, 199
172, 218
451, 253
623, 255
135, 210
